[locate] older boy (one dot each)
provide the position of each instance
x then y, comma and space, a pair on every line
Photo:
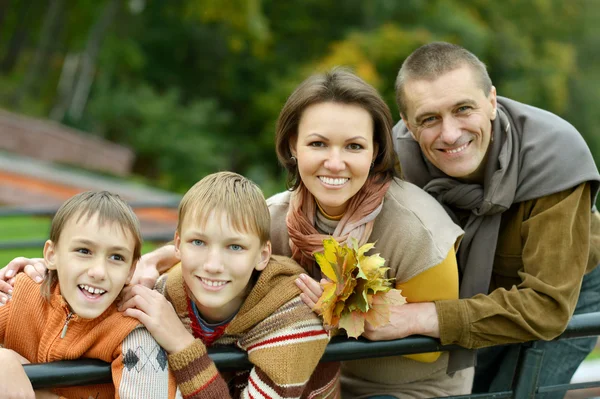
229, 290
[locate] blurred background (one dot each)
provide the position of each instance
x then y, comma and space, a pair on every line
145, 97
195, 86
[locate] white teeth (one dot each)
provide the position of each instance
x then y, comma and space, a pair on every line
459, 149
333, 181
91, 290
212, 283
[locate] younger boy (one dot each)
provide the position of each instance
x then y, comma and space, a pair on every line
94, 244
229, 290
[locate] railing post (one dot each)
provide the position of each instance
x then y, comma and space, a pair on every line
529, 372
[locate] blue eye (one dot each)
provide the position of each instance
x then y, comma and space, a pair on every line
197, 242
83, 251
236, 247
429, 120
463, 108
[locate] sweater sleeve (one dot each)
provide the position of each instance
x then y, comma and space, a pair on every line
196, 374
141, 369
554, 235
4, 311
285, 349
437, 283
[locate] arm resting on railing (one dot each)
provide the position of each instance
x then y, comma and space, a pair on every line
87, 371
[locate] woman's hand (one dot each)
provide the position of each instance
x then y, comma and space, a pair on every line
311, 290
153, 264
35, 268
157, 314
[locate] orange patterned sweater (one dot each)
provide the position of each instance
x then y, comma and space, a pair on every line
32, 326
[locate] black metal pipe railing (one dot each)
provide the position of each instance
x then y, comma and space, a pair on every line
85, 372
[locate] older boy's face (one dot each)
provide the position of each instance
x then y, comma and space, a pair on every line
93, 262
217, 262
451, 118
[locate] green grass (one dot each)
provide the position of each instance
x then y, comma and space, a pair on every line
18, 228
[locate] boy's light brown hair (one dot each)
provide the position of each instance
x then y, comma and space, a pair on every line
234, 195
108, 207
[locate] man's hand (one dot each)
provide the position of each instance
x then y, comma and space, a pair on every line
311, 290
405, 320
157, 314
35, 268
152, 264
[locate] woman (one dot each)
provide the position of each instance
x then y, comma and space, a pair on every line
334, 138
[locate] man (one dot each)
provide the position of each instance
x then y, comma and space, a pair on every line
521, 182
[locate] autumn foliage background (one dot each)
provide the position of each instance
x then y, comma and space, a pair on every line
195, 86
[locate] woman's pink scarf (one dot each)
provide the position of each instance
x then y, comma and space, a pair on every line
357, 221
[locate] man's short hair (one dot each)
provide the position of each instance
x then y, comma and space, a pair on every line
234, 195
432, 60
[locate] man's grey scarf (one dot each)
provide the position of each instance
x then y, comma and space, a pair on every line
533, 154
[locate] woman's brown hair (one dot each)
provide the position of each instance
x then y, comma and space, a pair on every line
342, 86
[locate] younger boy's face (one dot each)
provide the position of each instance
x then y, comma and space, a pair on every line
93, 262
217, 262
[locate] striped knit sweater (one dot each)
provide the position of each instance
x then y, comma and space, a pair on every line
283, 337
33, 327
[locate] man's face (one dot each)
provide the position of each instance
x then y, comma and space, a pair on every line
451, 119
217, 262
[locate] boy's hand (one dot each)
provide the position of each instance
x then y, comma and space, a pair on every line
157, 314
311, 290
13, 380
35, 268
152, 264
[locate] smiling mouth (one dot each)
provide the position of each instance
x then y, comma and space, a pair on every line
457, 149
213, 283
334, 181
91, 292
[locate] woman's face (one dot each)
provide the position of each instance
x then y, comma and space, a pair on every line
334, 149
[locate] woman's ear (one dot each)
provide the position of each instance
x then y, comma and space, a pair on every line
50, 255
293, 144
265, 256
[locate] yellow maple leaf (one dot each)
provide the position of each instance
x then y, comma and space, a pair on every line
358, 288
353, 323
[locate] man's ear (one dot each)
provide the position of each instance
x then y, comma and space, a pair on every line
408, 126
50, 255
177, 243
265, 256
493, 100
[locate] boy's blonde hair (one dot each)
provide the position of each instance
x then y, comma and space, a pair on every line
108, 207
236, 196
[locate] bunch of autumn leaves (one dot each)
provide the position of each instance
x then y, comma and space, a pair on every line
357, 290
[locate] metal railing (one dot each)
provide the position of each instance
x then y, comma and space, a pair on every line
87, 371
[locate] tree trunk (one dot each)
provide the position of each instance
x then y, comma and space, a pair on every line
88, 59
18, 38
48, 36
